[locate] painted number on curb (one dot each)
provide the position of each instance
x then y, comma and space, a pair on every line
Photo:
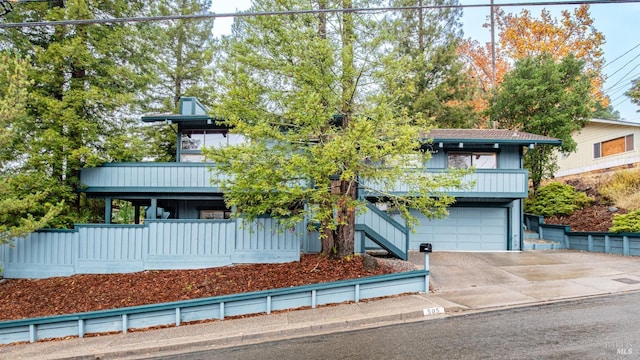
433, 311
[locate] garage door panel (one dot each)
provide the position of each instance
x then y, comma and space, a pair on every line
470, 230
492, 231
491, 222
465, 229
468, 246
445, 230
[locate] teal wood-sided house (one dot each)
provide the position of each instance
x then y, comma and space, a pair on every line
187, 224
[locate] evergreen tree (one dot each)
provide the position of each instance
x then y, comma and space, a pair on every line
300, 89
546, 97
182, 64
16, 212
634, 92
423, 42
82, 79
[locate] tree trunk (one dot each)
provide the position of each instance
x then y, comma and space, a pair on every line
346, 220
322, 19
339, 243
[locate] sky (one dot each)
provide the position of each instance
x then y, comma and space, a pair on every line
619, 23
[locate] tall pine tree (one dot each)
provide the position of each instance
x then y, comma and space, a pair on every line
181, 65
82, 79
423, 42
301, 89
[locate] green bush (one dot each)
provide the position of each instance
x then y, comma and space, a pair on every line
556, 199
626, 222
623, 189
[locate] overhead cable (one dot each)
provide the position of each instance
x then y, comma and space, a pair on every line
298, 12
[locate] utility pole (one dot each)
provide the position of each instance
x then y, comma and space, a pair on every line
493, 49
493, 122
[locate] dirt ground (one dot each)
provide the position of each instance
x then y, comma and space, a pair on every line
597, 217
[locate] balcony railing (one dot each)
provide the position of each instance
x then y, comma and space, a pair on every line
196, 177
149, 176
485, 183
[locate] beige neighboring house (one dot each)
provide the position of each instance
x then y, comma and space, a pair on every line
602, 145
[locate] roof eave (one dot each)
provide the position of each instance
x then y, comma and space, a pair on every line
176, 118
497, 141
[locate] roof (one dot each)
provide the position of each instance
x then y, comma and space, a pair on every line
499, 136
615, 122
191, 110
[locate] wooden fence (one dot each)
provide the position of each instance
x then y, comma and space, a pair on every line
158, 244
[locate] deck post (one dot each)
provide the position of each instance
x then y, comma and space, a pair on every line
107, 210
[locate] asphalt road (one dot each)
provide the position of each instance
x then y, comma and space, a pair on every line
596, 328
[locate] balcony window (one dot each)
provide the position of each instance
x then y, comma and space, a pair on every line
478, 160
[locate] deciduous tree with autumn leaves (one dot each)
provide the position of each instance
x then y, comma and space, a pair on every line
523, 35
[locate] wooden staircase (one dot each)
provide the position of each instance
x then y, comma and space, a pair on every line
378, 227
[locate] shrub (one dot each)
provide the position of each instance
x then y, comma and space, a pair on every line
626, 222
623, 189
556, 199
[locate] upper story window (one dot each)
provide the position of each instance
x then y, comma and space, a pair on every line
193, 141
198, 139
479, 160
613, 146
408, 161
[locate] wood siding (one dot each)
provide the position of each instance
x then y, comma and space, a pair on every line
583, 159
376, 228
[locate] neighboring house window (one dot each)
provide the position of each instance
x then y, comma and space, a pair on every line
479, 160
613, 146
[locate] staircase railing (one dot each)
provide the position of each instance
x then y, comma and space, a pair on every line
383, 230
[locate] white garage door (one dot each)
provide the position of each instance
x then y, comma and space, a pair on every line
464, 229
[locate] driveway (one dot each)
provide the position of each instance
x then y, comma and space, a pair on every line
472, 279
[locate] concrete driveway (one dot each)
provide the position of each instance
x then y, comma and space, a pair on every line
473, 279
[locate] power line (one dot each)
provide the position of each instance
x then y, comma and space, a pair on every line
621, 56
620, 69
298, 12
627, 74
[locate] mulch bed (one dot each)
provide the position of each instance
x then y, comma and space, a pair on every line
596, 218
27, 298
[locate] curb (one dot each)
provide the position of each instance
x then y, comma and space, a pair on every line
293, 331
258, 337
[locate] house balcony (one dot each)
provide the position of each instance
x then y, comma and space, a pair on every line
483, 183
145, 177
195, 178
